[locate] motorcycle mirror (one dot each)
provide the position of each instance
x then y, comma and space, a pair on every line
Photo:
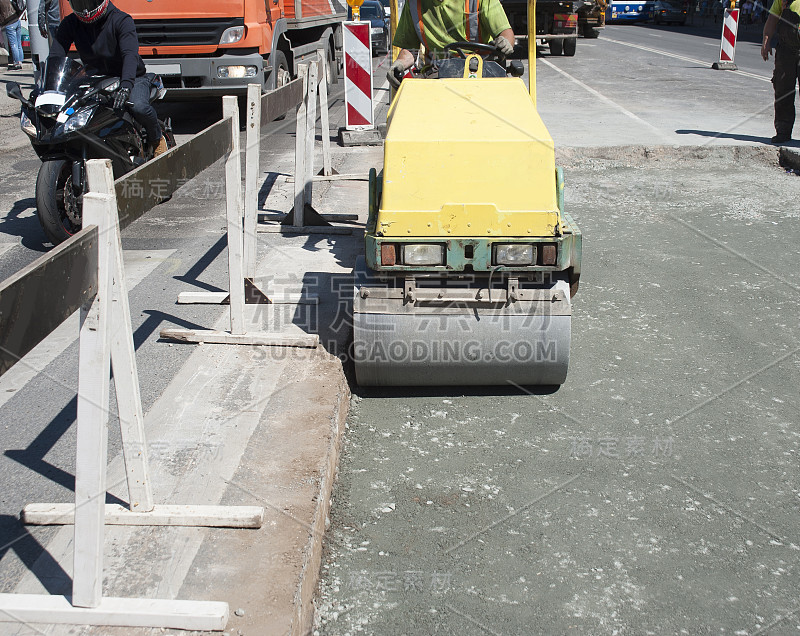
13, 90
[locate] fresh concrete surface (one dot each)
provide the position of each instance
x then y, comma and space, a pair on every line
656, 492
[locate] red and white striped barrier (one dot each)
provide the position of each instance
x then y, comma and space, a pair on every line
358, 76
730, 26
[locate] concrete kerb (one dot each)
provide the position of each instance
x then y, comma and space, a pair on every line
790, 157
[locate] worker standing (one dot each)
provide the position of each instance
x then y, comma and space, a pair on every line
437, 23
783, 19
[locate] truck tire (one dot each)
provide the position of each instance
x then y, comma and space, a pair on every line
556, 47
569, 46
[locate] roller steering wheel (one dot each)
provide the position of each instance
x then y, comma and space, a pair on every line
475, 47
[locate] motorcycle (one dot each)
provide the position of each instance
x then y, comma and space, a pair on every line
70, 118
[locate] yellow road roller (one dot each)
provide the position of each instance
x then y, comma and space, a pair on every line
471, 261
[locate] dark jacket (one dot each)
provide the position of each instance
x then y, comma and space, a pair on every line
108, 46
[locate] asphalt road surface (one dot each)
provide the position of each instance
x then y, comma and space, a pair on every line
657, 491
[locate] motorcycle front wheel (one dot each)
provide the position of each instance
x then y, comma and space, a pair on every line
57, 206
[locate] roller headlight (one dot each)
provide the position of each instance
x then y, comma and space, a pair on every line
425, 254
514, 254
232, 35
27, 125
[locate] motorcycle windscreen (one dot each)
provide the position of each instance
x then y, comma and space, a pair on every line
57, 79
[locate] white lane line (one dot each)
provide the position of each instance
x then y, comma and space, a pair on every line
610, 102
685, 59
138, 265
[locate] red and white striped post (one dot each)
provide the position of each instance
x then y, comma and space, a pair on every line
358, 76
730, 26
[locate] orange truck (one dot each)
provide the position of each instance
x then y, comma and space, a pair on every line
217, 47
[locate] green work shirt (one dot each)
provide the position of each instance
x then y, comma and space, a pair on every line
446, 22
777, 7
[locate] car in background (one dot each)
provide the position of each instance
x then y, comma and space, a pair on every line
372, 11
669, 11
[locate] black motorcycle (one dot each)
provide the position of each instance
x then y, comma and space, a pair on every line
70, 118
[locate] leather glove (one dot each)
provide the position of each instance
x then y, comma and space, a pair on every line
121, 96
43, 30
503, 46
396, 73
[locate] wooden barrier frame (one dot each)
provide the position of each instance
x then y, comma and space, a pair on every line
303, 218
106, 338
238, 284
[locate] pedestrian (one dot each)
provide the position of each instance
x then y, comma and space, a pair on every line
49, 18
783, 20
14, 37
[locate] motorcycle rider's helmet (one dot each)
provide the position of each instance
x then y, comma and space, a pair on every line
88, 10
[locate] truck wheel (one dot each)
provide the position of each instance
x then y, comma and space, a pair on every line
590, 32
556, 47
570, 46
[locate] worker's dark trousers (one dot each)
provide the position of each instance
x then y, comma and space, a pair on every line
784, 80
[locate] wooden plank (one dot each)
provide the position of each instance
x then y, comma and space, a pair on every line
119, 612
311, 130
220, 298
233, 207
327, 170
94, 370
308, 229
155, 181
123, 356
116, 515
251, 174
39, 297
203, 298
328, 217
252, 338
300, 149
278, 102
335, 177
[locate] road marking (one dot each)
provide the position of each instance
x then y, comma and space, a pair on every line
685, 59
138, 265
611, 102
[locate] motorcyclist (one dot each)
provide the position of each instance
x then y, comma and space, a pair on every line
436, 23
106, 40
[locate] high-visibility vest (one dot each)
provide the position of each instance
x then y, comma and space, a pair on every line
471, 11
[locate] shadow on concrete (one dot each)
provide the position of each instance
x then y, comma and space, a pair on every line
202, 264
17, 538
28, 228
721, 135
33, 457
